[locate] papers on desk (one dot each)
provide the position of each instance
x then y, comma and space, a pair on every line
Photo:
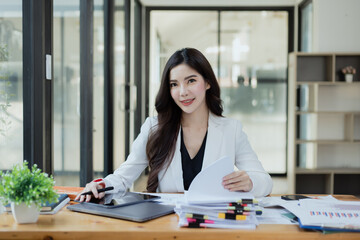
169, 198
207, 185
326, 213
329, 215
206, 203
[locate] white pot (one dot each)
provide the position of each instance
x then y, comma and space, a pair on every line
349, 78
1, 208
24, 214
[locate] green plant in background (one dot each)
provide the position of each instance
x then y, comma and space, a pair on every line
5, 121
29, 186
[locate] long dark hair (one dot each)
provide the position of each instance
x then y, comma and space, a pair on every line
160, 147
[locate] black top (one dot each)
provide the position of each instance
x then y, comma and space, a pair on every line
191, 167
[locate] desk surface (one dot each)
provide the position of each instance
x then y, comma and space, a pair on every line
72, 225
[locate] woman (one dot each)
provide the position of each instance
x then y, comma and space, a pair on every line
188, 134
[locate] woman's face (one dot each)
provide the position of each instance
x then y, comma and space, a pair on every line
188, 88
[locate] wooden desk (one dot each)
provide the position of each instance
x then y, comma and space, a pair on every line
72, 225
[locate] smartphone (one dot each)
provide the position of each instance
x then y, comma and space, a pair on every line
293, 197
119, 200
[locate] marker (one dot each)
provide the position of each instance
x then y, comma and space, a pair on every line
232, 216
196, 216
193, 220
239, 208
99, 191
238, 212
195, 225
238, 204
248, 201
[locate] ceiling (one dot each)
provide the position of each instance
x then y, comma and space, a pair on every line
223, 3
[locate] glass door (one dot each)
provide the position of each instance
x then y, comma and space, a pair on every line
11, 83
248, 52
66, 51
253, 79
173, 30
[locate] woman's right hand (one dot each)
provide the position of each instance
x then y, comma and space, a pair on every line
92, 186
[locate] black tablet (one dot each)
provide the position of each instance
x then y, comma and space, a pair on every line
139, 212
119, 200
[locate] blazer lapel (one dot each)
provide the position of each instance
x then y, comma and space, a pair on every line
176, 165
213, 141
212, 148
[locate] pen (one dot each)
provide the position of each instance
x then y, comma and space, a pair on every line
99, 190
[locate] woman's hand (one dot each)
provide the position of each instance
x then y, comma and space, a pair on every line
237, 181
93, 187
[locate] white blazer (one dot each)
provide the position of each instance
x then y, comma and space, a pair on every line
224, 138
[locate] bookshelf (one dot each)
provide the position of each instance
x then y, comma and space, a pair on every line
323, 124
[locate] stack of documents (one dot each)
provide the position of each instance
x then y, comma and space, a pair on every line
238, 215
208, 204
325, 213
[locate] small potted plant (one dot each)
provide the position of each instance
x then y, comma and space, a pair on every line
349, 72
26, 190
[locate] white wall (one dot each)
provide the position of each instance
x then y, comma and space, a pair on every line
336, 26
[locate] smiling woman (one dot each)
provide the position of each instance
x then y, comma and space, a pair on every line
188, 135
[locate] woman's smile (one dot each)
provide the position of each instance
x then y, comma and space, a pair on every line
187, 102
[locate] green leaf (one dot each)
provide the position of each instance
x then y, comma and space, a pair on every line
29, 186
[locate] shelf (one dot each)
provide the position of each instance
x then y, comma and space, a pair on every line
327, 112
343, 60
324, 123
328, 171
327, 141
342, 186
326, 83
316, 68
313, 184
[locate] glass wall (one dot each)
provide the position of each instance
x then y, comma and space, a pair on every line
306, 16
66, 32
173, 30
248, 52
253, 79
119, 68
67, 89
11, 87
98, 81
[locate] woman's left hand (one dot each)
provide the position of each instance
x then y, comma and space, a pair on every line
237, 181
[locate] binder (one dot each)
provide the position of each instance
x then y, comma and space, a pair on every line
334, 228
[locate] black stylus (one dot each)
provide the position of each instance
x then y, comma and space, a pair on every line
99, 191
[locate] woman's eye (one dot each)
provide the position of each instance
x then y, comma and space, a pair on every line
173, 85
192, 80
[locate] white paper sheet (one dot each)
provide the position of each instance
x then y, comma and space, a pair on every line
207, 185
169, 198
275, 216
337, 214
